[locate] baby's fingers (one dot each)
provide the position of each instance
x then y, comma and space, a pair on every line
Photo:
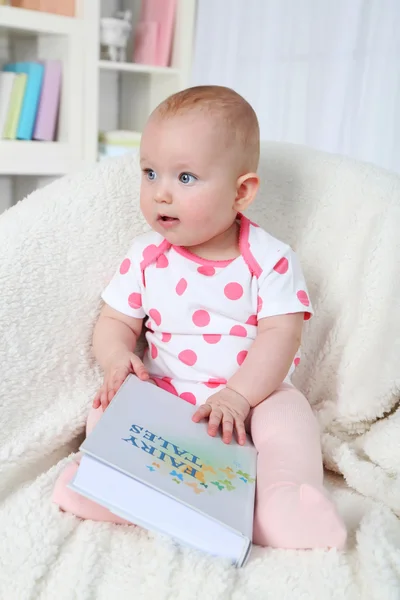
202, 413
138, 368
240, 431
227, 427
214, 421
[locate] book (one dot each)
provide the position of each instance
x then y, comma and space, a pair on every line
15, 107
157, 19
49, 102
34, 72
6, 86
149, 463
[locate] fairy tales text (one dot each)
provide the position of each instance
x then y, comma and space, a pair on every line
161, 449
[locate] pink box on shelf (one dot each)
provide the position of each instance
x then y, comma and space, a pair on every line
157, 20
146, 36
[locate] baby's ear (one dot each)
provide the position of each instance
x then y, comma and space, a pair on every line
246, 189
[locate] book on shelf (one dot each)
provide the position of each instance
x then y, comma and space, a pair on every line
149, 463
34, 72
15, 107
6, 87
59, 7
118, 143
46, 120
154, 33
32, 106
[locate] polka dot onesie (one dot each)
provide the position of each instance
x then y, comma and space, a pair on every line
202, 314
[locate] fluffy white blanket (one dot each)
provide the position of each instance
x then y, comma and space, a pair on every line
59, 247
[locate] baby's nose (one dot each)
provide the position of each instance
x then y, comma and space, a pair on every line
163, 197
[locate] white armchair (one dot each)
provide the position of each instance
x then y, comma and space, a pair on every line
59, 247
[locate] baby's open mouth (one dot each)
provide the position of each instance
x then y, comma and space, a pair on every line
167, 222
166, 219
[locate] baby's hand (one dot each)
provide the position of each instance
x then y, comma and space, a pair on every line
227, 408
120, 366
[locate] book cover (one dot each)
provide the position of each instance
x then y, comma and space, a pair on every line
6, 86
162, 13
15, 107
46, 120
148, 434
34, 72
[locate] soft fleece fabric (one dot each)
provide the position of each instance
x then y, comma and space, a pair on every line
60, 247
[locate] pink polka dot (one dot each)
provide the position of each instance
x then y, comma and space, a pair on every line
233, 291
213, 383
241, 357
181, 287
162, 262
252, 320
204, 270
155, 315
149, 253
201, 318
135, 300
188, 397
259, 304
212, 338
302, 296
188, 357
296, 361
125, 266
149, 326
154, 351
165, 384
307, 316
282, 266
166, 337
239, 331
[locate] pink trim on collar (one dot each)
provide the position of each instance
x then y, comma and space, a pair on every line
159, 250
202, 261
244, 246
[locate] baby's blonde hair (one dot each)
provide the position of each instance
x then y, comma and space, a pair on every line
229, 109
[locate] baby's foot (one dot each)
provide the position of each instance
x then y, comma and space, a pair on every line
71, 502
298, 517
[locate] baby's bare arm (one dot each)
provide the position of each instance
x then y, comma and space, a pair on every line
269, 358
114, 333
114, 341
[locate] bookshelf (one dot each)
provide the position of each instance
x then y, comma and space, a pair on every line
96, 94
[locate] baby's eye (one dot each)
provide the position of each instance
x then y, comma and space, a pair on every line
150, 174
187, 178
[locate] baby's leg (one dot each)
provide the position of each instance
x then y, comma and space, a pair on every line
74, 503
293, 509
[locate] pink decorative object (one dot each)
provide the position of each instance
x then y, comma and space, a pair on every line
154, 33
146, 36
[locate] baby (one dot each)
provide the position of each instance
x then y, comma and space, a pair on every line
224, 304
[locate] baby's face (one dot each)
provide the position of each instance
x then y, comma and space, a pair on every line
188, 184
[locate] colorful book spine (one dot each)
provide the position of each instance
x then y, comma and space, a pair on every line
15, 107
27, 120
6, 87
46, 120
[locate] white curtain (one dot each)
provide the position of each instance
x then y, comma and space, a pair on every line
325, 73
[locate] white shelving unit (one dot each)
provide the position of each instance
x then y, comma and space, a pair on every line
128, 92
96, 94
30, 35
